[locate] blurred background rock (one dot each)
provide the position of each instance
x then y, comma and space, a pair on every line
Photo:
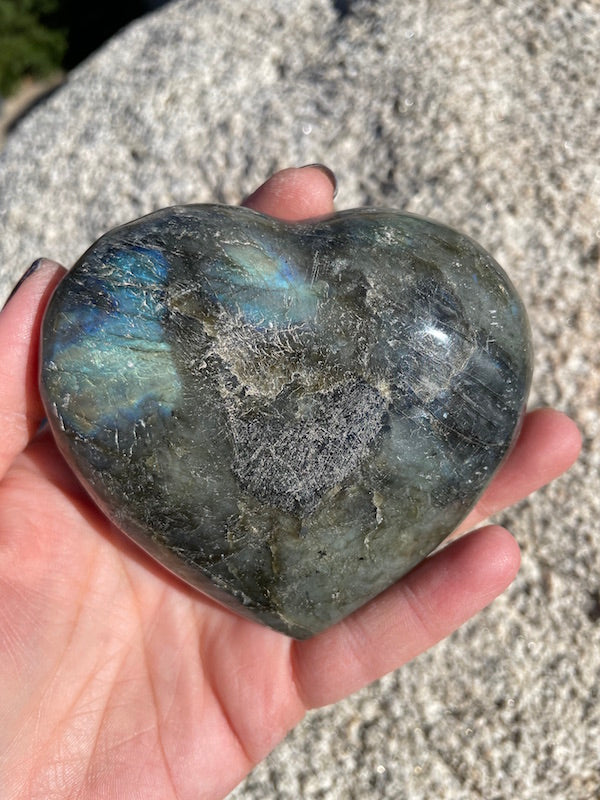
40, 40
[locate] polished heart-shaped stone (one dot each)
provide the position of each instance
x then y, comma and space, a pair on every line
287, 416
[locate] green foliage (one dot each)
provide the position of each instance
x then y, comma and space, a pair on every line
29, 44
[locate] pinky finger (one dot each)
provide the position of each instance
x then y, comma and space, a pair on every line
424, 607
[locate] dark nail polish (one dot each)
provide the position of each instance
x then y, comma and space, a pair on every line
33, 268
330, 174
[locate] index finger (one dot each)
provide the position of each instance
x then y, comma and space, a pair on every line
295, 193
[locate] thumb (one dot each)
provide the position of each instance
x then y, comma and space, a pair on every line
21, 409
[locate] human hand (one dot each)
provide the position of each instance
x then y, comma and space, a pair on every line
116, 679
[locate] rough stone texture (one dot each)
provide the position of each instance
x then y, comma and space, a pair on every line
481, 114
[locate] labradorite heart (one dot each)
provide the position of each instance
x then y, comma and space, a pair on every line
287, 416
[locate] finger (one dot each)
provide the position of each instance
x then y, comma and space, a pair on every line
295, 194
20, 407
424, 607
548, 444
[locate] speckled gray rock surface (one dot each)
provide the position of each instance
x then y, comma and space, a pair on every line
483, 115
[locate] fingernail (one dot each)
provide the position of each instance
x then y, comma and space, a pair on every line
330, 174
33, 268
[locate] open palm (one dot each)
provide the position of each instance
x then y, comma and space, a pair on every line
118, 681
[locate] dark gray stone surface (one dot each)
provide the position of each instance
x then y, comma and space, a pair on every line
288, 416
483, 115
